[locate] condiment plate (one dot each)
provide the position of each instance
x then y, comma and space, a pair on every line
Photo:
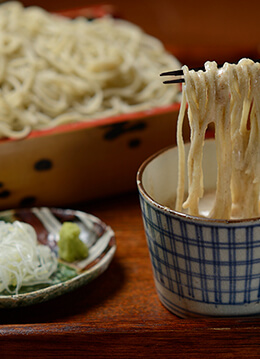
99, 238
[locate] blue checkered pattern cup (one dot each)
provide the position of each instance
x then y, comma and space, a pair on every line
201, 266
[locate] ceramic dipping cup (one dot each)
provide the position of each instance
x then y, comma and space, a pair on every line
201, 267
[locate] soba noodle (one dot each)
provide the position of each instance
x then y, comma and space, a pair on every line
230, 98
55, 70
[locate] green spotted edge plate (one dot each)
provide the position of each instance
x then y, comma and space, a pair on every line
99, 238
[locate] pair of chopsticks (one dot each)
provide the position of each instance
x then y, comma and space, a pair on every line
179, 73
173, 73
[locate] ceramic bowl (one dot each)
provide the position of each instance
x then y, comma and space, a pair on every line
201, 266
99, 238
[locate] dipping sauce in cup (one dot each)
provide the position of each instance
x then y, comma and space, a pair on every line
201, 266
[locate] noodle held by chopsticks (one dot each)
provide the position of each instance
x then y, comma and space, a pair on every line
229, 97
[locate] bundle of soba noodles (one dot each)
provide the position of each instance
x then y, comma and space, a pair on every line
230, 98
55, 70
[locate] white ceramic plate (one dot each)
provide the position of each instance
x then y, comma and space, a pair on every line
99, 238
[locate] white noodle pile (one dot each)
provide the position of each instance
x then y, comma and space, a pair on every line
54, 70
22, 260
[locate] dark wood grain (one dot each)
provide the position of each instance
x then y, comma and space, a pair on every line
119, 314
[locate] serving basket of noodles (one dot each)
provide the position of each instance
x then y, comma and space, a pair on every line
79, 100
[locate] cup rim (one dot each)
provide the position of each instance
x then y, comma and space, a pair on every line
181, 215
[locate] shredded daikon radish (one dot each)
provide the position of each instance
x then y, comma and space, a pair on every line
22, 260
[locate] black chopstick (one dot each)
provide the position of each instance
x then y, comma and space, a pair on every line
180, 73
173, 73
175, 81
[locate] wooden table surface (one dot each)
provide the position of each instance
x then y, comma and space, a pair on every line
119, 315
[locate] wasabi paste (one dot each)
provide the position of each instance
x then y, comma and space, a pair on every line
71, 248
